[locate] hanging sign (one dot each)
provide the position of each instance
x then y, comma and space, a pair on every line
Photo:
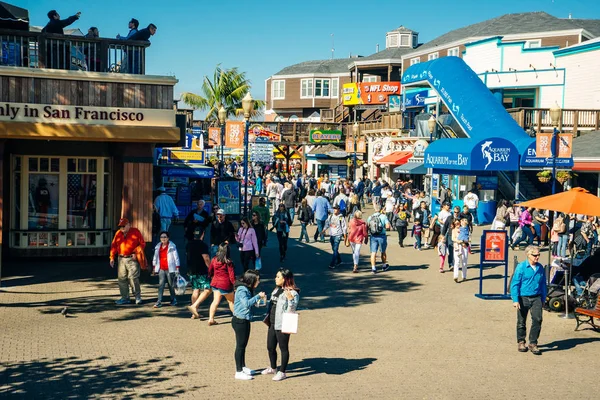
319, 136
234, 134
214, 136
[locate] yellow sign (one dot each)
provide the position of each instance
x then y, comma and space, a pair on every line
188, 156
350, 95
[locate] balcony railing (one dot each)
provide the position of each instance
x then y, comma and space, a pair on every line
39, 50
538, 119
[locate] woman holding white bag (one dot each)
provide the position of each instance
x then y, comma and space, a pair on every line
284, 299
166, 265
499, 222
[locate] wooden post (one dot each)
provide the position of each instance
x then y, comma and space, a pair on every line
539, 121
522, 118
575, 122
597, 123
389, 73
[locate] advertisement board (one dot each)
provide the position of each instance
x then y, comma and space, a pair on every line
234, 134
186, 156
319, 136
369, 92
214, 136
495, 246
228, 196
361, 146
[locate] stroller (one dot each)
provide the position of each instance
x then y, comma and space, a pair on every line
589, 296
555, 299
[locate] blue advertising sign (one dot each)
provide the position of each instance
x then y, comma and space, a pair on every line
184, 195
487, 182
184, 172
394, 103
228, 196
492, 154
529, 159
468, 99
416, 99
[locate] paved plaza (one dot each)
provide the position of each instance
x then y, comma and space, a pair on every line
409, 333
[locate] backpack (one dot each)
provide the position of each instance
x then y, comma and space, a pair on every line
342, 205
375, 224
559, 225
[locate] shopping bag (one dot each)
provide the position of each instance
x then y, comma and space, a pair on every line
517, 235
180, 285
258, 264
289, 323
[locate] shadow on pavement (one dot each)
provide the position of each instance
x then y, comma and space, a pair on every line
566, 344
330, 366
72, 377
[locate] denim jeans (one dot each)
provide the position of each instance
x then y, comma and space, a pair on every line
538, 233
320, 227
527, 234
292, 212
165, 277
418, 241
473, 212
303, 233
213, 250
165, 224
533, 304
563, 241
335, 247
579, 283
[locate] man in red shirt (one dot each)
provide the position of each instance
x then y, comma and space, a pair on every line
124, 244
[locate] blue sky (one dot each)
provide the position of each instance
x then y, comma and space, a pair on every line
263, 36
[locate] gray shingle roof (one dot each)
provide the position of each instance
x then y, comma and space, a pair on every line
402, 28
513, 24
389, 53
335, 66
587, 145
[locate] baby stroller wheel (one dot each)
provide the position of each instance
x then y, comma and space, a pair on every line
556, 304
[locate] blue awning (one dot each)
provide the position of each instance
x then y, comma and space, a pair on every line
186, 171
412, 167
492, 154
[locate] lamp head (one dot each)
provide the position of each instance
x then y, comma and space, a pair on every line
222, 115
355, 128
247, 105
431, 124
555, 112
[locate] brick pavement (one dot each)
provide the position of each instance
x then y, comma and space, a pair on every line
407, 333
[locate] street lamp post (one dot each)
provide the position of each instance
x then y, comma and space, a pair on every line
248, 107
555, 113
355, 137
222, 118
431, 126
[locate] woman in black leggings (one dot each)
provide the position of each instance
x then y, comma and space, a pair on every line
242, 313
282, 221
283, 299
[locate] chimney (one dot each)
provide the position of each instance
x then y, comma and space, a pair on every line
570, 16
377, 48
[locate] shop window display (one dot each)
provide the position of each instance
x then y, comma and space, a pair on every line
43, 200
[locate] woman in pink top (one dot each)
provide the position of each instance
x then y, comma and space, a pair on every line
357, 235
247, 243
525, 221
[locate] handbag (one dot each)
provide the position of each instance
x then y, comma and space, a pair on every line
258, 264
289, 323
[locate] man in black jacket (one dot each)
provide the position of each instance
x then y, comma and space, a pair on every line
55, 53
144, 34
134, 56
196, 219
221, 231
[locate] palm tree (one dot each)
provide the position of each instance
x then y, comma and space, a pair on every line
227, 88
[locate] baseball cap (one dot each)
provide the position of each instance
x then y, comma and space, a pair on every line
221, 212
123, 222
162, 189
336, 207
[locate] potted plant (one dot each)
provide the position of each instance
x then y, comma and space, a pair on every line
544, 176
563, 176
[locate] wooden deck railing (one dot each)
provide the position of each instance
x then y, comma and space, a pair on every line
39, 50
538, 119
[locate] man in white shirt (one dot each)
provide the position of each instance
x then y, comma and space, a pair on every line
338, 229
326, 187
166, 208
272, 196
471, 200
338, 202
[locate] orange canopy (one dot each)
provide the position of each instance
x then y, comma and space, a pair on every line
396, 158
576, 201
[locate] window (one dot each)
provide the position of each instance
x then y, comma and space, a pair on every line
533, 44
43, 193
404, 40
369, 78
433, 56
414, 61
335, 90
392, 40
321, 87
81, 193
278, 90
306, 86
453, 52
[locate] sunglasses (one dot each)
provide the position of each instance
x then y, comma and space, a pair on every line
535, 255
164, 237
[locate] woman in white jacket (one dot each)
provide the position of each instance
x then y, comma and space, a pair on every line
166, 265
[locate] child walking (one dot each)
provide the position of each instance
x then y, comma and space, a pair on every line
416, 233
442, 251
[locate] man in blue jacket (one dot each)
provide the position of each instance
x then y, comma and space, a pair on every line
528, 291
321, 209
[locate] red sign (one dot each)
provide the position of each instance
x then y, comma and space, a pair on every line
214, 136
377, 92
234, 134
543, 145
495, 246
258, 134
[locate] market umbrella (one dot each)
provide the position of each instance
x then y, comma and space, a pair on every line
13, 17
575, 201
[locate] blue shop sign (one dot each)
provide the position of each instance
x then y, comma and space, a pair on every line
487, 182
492, 154
416, 99
530, 160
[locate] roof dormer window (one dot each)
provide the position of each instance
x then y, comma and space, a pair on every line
392, 40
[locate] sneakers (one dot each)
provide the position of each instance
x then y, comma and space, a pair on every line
242, 376
279, 376
522, 347
138, 301
248, 371
534, 349
267, 371
331, 266
373, 271
157, 305
441, 270
174, 302
456, 280
386, 266
122, 302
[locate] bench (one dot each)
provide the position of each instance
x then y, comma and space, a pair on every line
587, 315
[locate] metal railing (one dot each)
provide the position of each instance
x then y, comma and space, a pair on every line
39, 50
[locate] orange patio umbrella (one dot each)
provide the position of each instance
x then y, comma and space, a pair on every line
576, 201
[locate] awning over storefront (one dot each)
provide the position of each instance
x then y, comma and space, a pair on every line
396, 158
412, 167
187, 171
586, 166
492, 154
